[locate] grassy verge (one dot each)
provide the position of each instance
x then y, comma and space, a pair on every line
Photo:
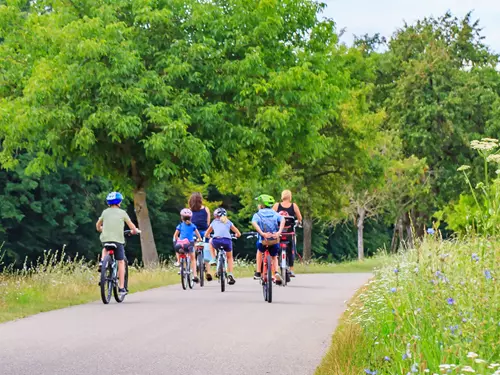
433, 310
55, 284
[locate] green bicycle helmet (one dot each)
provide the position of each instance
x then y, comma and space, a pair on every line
265, 200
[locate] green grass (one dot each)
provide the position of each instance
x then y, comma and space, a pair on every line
433, 310
54, 284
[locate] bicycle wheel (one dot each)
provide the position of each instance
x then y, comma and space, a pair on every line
222, 274
106, 280
263, 280
116, 292
189, 274
269, 280
183, 273
201, 269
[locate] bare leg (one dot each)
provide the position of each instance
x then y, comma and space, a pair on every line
121, 273
259, 261
230, 261
193, 263
103, 253
275, 264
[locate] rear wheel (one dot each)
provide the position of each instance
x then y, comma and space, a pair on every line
106, 280
201, 269
269, 280
183, 274
222, 275
283, 269
116, 292
189, 274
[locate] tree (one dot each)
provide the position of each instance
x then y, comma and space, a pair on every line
160, 90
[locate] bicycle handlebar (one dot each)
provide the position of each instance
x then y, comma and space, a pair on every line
129, 232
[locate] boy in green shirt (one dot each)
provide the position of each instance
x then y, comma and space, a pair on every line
110, 224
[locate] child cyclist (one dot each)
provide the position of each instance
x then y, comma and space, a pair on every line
110, 224
269, 225
222, 227
184, 238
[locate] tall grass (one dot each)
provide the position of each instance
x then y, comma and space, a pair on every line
432, 310
56, 281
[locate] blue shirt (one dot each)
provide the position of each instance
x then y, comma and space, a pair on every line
186, 231
220, 229
268, 220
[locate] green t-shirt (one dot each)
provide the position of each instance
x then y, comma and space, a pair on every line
113, 220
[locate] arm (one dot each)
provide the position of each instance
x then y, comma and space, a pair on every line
198, 235
132, 226
209, 230
275, 207
98, 225
282, 226
236, 231
297, 213
257, 228
176, 234
208, 215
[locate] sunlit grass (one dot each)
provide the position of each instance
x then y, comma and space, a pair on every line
432, 310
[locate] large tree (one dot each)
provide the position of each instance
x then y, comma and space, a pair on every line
149, 90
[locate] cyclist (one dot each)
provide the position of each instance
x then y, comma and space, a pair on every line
269, 225
184, 238
201, 218
110, 225
287, 208
222, 227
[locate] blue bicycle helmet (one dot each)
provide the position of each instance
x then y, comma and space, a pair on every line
114, 198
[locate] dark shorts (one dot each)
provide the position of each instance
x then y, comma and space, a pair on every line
225, 243
187, 247
273, 249
119, 251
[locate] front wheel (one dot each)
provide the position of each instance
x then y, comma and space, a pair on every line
183, 274
201, 269
116, 292
269, 280
222, 276
189, 274
106, 282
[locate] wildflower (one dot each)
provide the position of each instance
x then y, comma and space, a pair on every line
453, 329
431, 231
468, 369
479, 360
463, 168
472, 355
393, 290
414, 368
464, 320
415, 270
495, 158
444, 367
487, 274
405, 356
396, 270
475, 257
483, 145
369, 372
450, 301
387, 359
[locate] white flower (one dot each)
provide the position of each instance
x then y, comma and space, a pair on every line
463, 168
479, 360
472, 355
495, 158
444, 367
468, 369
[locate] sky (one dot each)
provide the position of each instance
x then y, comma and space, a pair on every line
360, 17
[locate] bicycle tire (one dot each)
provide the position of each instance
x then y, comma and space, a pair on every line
222, 274
116, 292
106, 280
263, 280
283, 270
201, 269
269, 280
183, 273
189, 274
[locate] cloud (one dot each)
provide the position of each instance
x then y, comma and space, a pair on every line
359, 17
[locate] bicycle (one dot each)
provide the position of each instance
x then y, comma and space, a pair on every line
200, 262
221, 261
287, 239
185, 261
266, 278
109, 282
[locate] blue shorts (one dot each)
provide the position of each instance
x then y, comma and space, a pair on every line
119, 251
273, 249
224, 243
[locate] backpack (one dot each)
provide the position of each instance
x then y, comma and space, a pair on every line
268, 225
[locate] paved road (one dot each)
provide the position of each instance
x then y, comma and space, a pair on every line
171, 331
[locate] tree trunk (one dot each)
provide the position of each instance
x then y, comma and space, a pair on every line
409, 231
397, 237
148, 246
307, 224
361, 223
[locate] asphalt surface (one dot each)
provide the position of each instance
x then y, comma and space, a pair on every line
172, 331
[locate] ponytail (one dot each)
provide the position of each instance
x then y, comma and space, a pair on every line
224, 219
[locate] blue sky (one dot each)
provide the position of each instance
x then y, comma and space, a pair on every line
384, 16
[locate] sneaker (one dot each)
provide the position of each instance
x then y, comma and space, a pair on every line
99, 267
177, 264
195, 279
209, 277
292, 274
213, 262
230, 279
257, 275
278, 279
123, 292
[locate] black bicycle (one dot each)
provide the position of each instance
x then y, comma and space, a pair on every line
221, 272
109, 282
